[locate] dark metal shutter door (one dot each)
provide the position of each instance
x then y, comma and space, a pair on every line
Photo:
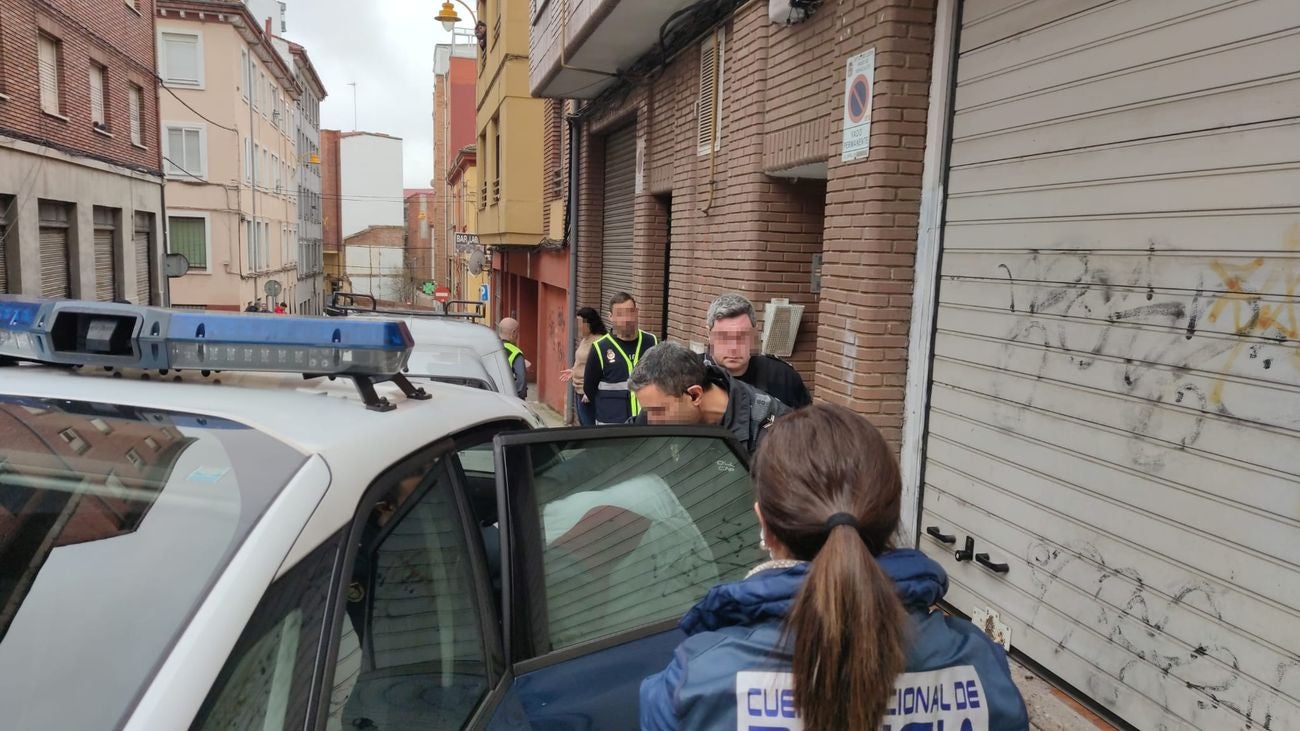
105, 281
54, 262
4, 244
143, 271
618, 227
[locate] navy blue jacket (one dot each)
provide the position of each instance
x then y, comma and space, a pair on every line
732, 671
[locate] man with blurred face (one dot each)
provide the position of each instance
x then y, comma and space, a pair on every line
508, 331
612, 360
674, 387
733, 334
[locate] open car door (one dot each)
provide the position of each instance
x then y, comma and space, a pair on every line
608, 536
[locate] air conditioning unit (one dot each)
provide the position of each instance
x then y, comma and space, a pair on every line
781, 327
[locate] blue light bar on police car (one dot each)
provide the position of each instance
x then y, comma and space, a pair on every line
286, 344
72, 332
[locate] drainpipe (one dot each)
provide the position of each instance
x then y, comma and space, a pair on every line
571, 213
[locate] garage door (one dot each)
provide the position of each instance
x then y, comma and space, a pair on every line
54, 220
105, 261
6, 203
143, 259
617, 274
1115, 412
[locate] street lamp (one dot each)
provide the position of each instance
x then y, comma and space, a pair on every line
449, 17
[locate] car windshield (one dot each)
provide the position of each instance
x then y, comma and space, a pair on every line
114, 523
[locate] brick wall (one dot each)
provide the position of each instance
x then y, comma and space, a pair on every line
422, 212
441, 153
331, 204
739, 223
114, 34
394, 236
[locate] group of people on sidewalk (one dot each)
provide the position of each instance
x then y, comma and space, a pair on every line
838, 630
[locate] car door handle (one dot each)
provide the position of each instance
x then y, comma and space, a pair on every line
998, 568
940, 535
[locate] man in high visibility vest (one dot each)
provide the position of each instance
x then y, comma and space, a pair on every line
611, 362
508, 331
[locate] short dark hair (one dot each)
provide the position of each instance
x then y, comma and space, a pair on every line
669, 366
592, 318
620, 298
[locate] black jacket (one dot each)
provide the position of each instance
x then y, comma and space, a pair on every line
772, 375
749, 411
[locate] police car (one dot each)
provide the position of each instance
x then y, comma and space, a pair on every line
218, 521
451, 347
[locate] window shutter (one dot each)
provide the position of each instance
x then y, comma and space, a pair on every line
97, 94
49, 60
709, 102
187, 236
137, 131
182, 56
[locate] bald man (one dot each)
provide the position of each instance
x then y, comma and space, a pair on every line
508, 331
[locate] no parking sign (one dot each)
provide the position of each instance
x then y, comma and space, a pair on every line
859, 85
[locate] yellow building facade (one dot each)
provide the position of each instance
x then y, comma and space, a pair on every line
510, 124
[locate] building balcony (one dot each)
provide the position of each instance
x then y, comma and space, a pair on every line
577, 57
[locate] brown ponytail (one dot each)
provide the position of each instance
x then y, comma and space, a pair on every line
847, 624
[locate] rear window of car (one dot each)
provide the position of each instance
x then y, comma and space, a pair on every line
115, 522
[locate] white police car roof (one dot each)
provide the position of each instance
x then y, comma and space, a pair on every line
315, 417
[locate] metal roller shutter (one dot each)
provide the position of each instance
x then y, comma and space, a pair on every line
143, 261
618, 228
1114, 410
105, 260
6, 202
54, 262
54, 221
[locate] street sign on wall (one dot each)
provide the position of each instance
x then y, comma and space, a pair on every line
483, 293
442, 294
859, 84
465, 242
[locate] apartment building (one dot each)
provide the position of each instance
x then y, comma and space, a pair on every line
229, 155
454, 117
529, 268
311, 256
80, 159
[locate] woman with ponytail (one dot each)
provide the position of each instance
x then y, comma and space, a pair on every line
836, 632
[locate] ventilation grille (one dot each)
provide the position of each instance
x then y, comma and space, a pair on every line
781, 327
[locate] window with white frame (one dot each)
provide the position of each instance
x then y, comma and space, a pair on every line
184, 151
265, 169
136, 97
98, 96
49, 56
248, 160
243, 73
275, 171
251, 238
181, 58
188, 235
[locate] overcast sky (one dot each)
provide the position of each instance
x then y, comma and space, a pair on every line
386, 47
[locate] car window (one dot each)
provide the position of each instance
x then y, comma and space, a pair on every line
133, 511
266, 681
410, 648
636, 530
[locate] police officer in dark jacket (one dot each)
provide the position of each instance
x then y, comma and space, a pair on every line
674, 387
838, 629
611, 362
732, 327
